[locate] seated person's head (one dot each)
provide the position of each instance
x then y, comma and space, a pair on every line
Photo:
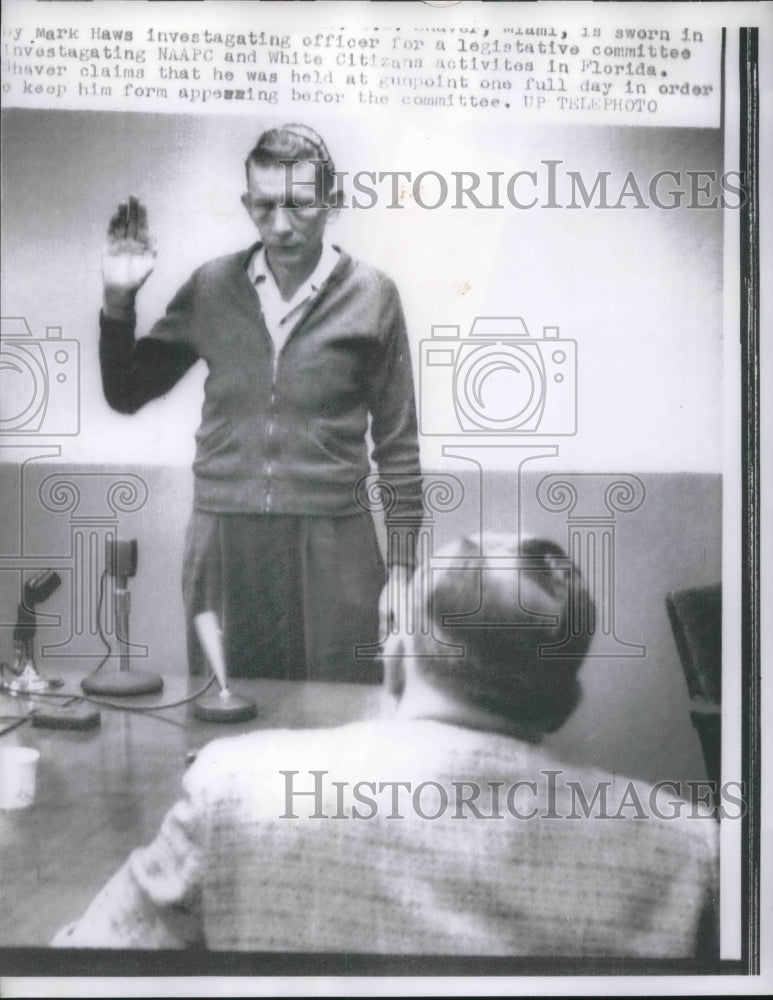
487, 631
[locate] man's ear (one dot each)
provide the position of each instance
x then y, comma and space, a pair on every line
393, 658
394, 676
333, 214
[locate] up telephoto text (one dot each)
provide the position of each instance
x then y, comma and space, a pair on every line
545, 797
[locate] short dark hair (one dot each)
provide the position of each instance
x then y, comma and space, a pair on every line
295, 142
521, 620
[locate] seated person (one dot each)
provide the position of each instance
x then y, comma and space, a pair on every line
444, 829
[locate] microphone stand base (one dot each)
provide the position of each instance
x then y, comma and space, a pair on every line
224, 708
122, 682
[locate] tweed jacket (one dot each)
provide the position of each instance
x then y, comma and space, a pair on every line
281, 432
412, 836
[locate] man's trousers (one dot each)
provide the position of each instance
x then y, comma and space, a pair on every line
297, 597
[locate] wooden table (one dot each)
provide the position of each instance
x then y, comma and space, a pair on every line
103, 792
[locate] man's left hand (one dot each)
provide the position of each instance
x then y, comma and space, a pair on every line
393, 603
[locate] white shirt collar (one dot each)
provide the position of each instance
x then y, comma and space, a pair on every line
260, 273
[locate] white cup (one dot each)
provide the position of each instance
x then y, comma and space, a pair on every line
18, 767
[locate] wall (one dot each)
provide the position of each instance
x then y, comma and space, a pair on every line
638, 290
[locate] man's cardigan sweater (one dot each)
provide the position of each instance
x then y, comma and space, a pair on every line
281, 434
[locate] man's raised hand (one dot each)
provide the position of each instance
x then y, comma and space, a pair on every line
129, 254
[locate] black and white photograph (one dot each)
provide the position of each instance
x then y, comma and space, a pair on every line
380, 538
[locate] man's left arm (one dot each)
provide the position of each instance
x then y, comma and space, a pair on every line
392, 405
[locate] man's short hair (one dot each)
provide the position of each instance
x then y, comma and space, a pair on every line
523, 619
300, 143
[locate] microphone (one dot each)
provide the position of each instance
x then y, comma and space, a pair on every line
41, 587
224, 706
35, 591
121, 560
27, 679
120, 564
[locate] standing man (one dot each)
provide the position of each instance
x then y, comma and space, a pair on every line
304, 347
